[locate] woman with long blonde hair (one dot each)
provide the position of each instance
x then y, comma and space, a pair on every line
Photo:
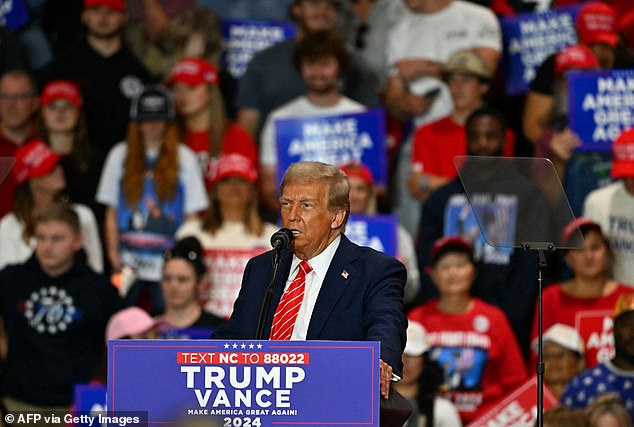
150, 185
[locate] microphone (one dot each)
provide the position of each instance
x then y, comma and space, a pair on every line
281, 239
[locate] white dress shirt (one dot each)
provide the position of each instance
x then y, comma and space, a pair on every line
314, 280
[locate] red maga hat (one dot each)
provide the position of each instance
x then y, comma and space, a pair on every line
116, 5
193, 72
623, 155
577, 223
34, 160
596, 23
575, 57
360, 171
450, 242
235, 164
61, 89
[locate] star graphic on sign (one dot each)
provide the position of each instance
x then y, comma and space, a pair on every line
234, 345
259, 346
243, 345
251, 345
226, 345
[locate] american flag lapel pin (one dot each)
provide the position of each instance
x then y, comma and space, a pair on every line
345, 274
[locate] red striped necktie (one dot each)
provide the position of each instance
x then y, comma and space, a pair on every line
288, 308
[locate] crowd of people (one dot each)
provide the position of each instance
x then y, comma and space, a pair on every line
142, 176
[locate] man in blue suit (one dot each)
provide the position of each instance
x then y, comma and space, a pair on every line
352, 293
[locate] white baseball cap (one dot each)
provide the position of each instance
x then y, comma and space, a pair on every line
563, 335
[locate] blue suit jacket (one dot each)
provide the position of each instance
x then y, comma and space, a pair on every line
367, 305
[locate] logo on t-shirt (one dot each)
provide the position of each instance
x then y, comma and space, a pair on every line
50, 310
131, 86
481, 323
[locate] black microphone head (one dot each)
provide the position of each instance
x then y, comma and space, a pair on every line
281, 238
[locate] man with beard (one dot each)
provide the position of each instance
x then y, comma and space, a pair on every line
321, 58
612, 376
270, 79
107, 73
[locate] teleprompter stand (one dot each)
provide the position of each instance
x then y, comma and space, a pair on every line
519, 203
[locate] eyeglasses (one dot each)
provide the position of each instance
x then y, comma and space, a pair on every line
21, 97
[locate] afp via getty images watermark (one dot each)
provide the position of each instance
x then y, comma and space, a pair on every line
77, 419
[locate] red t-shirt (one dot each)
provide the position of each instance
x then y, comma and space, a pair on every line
437, 143
234, 140
479, 354
591, 317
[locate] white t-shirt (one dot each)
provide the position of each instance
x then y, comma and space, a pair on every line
189, 174
612, 207
299, 107
14, 250
148, 229
436, 36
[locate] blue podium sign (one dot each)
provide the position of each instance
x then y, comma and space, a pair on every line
247, 382
244, 38
375, 231
601, 106
529, 38
334, 139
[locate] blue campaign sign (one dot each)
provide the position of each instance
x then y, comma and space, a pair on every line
13, 14
375, 231
246, 382
334, 139
244, 38
529, 38
89, 399
601, 106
